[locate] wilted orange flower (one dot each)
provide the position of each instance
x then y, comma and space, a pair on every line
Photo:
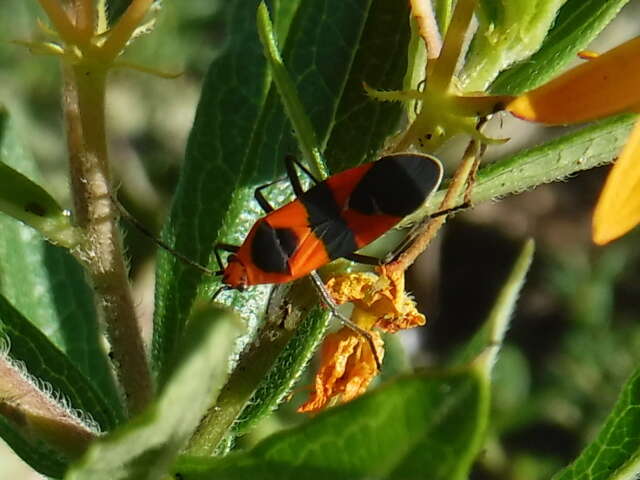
605, 85
348, 366
347, 363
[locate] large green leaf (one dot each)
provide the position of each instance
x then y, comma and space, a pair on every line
145, 447
49, 372
414, 428
361, 125
47, 285
508, 32
577, 24
615, 452
241, 136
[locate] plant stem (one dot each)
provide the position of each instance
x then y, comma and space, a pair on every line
60, 21
422, 11
429, 229
122, 31
245, 378
444, 67
85, 16
97, 217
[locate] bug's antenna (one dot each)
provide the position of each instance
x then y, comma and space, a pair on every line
147, 233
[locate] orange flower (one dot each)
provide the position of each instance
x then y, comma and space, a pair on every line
348, 366
618, 208
347, 363
383, 297
605, 85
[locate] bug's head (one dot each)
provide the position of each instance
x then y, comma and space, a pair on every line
235, 274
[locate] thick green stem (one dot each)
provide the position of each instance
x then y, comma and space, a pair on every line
244, 380
96, 216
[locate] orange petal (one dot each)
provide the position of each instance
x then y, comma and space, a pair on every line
600, 87
348, 366
409, 319
618, 208
382, 298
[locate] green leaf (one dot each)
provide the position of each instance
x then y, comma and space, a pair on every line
38, 455
360, 124
31, 204
44, 361
443, 11
29, 352
218, 158
615, 452
301, 123
577, 24
423, 426
146, 446
231, 150
47, 285
594, 145
508, 32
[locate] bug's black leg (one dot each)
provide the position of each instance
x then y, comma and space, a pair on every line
292, 175
224, 247
292, 159
290, 163
364, 259
406, 243
447, 211
261, 199
220, 289
331, 305
147, 233
227, 247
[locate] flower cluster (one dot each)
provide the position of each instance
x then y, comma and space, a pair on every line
347, 363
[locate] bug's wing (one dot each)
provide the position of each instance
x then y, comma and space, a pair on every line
309, 252
320, 245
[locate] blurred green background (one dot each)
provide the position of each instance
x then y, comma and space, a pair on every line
575, 336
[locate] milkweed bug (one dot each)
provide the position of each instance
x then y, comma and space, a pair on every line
333, 219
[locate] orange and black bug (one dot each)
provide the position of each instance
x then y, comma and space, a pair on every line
332, 219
